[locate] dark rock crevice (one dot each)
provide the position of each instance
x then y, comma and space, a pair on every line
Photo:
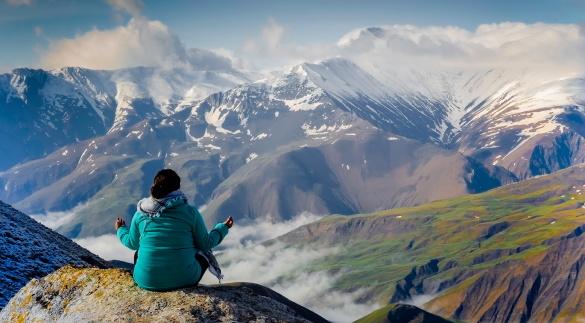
413, 283
564, 151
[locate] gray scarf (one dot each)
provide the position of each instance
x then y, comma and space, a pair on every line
151, 207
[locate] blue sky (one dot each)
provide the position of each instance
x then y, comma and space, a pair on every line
26, 29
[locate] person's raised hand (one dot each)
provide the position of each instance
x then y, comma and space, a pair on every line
120, 223
229, 222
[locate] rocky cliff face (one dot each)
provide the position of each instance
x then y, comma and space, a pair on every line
546, 287
74, 294
30, 250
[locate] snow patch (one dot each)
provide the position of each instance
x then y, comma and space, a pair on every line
251, 158
323, 129
210, 146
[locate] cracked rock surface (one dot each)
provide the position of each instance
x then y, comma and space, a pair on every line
76, 294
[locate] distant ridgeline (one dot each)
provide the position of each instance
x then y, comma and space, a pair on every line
336, 137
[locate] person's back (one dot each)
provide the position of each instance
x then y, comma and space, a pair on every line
168, 232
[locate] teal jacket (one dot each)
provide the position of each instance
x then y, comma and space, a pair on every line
167, 245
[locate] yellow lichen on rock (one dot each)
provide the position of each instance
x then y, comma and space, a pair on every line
74, 294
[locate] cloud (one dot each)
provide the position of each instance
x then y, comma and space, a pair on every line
489, 46
108, 247
312, 290
263, 229
140, 43
420, 300
38, 30
273, 43
133, 7
237, 62
55, 219
20, 2
284, 269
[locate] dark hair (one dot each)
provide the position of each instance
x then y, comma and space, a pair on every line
165, 181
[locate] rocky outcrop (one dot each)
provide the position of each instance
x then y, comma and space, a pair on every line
30, 250
413, 283
74, 294
545, 287
548, 153
564, 151
481, 177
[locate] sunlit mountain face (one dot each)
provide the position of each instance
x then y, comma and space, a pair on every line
344, 136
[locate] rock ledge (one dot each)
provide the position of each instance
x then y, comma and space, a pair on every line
75, 294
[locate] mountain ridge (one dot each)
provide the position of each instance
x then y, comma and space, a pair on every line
30, 250
308, 105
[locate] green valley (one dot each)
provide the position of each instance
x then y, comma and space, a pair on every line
511, 252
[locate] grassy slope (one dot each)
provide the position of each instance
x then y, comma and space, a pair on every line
449, 230
377, 316
380, 315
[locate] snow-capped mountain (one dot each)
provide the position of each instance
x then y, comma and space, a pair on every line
45, 110
496, 116
260, 147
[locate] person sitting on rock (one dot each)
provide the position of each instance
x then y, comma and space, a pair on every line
172, 242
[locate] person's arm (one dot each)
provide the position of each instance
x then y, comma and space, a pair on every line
130, 237
203, 240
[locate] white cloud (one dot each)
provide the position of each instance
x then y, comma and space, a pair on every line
140, 43
55, 219
237, 62
263, 229
133, 7
108, 247
489, 46
273, 44
312, 290
151, 43
284, 269
420, 300
20, 2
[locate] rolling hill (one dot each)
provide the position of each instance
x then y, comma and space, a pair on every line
513, 254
